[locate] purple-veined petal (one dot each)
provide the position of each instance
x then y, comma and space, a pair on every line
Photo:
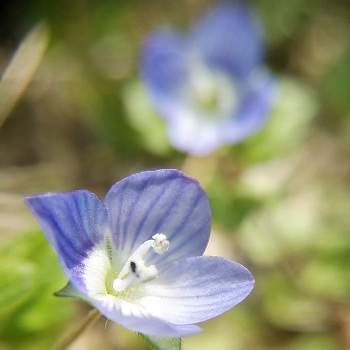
138, 319
164, 66
160, 201
94, 272
196, 289
74, 222
231, 38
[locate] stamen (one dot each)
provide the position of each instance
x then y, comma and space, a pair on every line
135, 270
133, 266
119, 285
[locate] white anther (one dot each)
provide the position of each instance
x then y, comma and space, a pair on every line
135, 270
160, 243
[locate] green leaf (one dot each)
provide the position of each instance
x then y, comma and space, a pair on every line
142, 117
288, 125
30, 317
158, 343
68, 291
16, 285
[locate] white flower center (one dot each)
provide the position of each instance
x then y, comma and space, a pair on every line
135, 270
210, 92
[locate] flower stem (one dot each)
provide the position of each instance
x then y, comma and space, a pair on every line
75, 332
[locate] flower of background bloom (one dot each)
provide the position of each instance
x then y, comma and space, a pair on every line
210, 85
137, 255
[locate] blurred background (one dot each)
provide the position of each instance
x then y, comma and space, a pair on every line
74, 114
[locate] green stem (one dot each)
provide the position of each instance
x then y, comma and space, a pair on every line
75, 332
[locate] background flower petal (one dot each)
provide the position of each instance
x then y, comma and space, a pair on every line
159, 201
198, 136
254, 109
164, 66
231, 38
73, 222
191, 134
196, 289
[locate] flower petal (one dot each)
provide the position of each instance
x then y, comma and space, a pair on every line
254, 109
189, 133
136, 318
164, 66
157, 201
196, 289
230, 38
73, 222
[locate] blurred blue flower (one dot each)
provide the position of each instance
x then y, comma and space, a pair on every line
136, 255
210, 85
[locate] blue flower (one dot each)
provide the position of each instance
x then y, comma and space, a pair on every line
210, 85
136, 255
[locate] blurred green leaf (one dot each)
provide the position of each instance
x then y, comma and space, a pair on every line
283, 20
142, 117
287, 307
229, 204
29, 273
336, 84
158, 343
16, 285
316, 341
70, 292
287, 126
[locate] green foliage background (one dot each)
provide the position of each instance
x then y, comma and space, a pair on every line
280, 199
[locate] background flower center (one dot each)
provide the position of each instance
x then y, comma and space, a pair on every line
211, 92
